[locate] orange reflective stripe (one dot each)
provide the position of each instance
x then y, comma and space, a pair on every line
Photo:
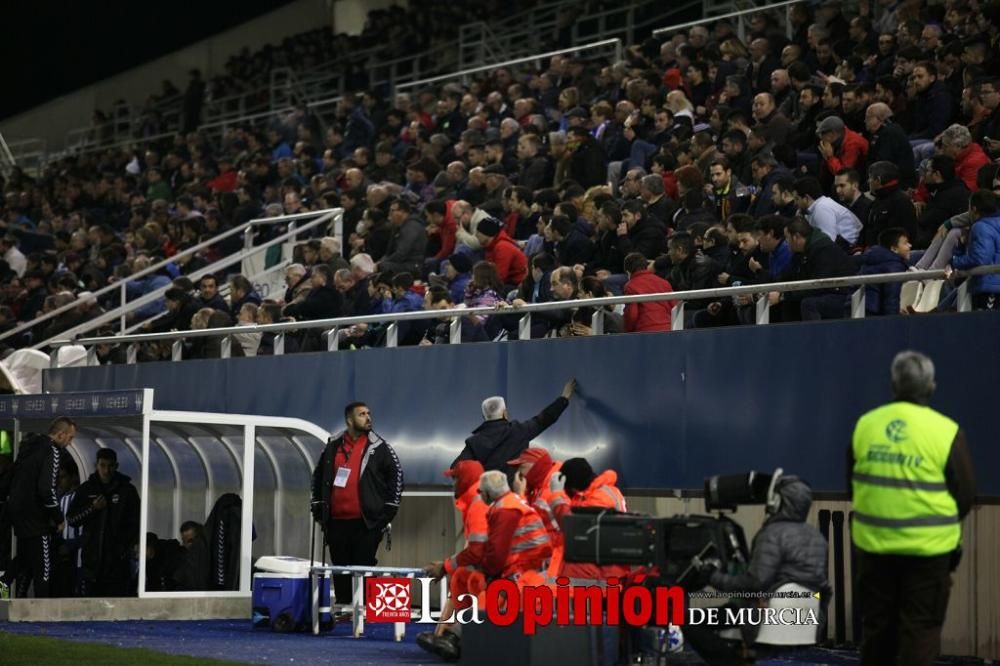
474, 521
530, 544
617, 501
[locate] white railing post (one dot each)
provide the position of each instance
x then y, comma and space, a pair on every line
858, 303
123, 297
177, 350
524, 327
764, 309
391, 333
331, 339
279, 344
677, 317
964, 299
455, 331
131, 353
226, 346
597, 322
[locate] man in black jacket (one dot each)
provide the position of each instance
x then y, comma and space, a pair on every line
209, 296
572, 246
587, 162
889, 142
891, 208
814, 257
405, 252
357, 486
948, 197
107, 507
640, 233
33, 505
691, 270
323, 300
499, 439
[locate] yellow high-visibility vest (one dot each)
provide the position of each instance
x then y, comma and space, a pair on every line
901, 501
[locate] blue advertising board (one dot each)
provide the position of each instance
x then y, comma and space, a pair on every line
664, 410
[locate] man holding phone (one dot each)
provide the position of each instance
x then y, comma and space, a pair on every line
107, 507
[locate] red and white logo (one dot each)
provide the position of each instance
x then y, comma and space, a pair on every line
387, 599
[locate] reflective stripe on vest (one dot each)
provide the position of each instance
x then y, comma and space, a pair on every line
605, 497
901, 501
530, 544
474, 521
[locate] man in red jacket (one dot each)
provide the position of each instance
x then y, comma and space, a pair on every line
500, 249
649, 316
840, 146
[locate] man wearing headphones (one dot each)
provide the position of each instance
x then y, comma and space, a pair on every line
785, 550
107, 506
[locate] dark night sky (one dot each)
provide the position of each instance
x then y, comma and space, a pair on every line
52, 47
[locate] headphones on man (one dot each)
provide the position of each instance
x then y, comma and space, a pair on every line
773, 504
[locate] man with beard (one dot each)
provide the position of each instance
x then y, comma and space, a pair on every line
107, 507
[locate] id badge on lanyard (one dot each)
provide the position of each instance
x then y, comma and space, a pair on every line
343, 474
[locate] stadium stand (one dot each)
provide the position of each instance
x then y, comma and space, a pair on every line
789, 143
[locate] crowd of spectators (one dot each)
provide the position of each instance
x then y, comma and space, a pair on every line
699, 161
243, 85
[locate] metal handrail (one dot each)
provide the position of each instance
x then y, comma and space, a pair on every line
120, 285
516, 61
145, 299
456, 314
723, 17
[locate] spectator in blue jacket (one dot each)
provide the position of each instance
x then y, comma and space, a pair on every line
458, 271
983, 249
891, 255
135, 289
405, 299
771, 239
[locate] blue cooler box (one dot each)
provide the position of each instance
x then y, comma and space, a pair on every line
281, 600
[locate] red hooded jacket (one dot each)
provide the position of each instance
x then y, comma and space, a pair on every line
510, 261
653, 316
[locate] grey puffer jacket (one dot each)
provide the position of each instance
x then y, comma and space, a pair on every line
785, 550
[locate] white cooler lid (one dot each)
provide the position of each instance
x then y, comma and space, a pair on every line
284, 564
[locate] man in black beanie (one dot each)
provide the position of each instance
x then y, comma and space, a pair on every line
577, 486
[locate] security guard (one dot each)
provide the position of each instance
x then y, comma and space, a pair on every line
912, 483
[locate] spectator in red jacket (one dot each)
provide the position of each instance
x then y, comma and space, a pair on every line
956, 142
440, 224
226, 180
840, 147
651, 316
501, 250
